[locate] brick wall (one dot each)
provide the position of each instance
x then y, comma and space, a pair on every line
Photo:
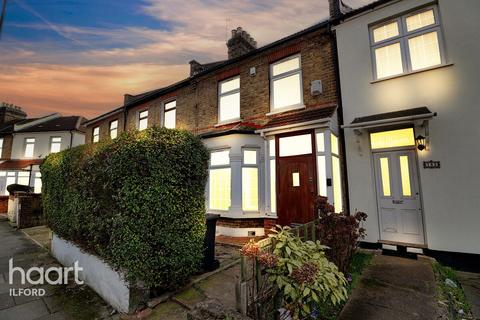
104, 125
197, 102
31, 211
4, 204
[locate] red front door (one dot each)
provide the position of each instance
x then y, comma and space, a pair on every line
296, 178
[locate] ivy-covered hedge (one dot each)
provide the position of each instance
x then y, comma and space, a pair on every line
137, 201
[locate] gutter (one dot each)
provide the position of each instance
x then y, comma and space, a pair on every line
389, 121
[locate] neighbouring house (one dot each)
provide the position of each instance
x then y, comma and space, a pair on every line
269, 117
25, 142
409, 87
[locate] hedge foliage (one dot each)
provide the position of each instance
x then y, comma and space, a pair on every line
137, 202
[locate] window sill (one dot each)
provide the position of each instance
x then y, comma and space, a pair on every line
224, 123
412, 72
285, 109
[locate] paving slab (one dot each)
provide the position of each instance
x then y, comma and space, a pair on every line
189, 298
471, 286
28, 311
221, 286
394, 288
6, 301
168, 310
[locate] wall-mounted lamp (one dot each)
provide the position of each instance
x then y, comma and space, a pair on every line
420, 142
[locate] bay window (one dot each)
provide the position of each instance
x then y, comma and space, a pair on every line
286, 84
229, 100
250, 180
170, 114
407, 43
220, 181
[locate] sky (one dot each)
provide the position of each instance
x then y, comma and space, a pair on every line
79, 57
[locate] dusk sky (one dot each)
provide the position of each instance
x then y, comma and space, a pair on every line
80, 56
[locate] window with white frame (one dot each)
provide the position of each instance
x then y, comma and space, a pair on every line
113, 129
273, 176
407, 43
250, 180
321, 164
96, 134
336, 174
286, 84
170, 114
1, 147
229, 100
11, 179
55, 144
142, 120
23, 178
220, 181
29, 147
37, 186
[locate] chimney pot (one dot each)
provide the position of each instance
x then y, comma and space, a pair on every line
240, 43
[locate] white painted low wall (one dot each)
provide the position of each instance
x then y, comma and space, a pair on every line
98, 275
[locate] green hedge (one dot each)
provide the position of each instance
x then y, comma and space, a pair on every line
137, 201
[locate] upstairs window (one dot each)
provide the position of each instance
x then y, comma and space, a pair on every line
229, 100
29, 147
286, 84
113, 129
170, 114
408, 43
96, 134
142, 120
55, 144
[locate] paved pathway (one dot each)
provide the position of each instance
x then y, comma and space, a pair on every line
59, 302
471, 286
394, 288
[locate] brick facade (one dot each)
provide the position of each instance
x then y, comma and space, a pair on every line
104, 125
6, 147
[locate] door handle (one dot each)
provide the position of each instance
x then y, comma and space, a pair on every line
397, 201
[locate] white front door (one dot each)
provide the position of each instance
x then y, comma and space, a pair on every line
398, 197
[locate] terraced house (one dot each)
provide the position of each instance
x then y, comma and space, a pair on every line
269, 117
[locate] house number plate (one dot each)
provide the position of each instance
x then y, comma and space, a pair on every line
431, 164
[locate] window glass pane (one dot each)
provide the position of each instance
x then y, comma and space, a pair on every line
334, 143
38, 183
143, 114
96, 131
271, 147
385, 175
420, 20
230, 85
385, 32
337, 185
29, 146
322, 176
56, 144
23, 178
218, 158
285, 66
273, 187
1, 143
249, 157
113, 133
388, 60
320, 142
392, 139
143, 124
424, 51
3, 173
250, 189
219, 191
230, 106
295, 145
114, 124
11, 179
96, 134
170, 121
286, 91
405, 173
171, 104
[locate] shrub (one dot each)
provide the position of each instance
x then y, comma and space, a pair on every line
340, 232
303, 274
136, 201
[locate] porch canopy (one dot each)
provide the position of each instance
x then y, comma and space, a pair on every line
19, 164
391, 118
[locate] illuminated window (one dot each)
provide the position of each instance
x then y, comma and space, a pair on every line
37, 187
415, 46
337, 184
220, 180
286, 83
295, 145
229, 99
334, 143
29, 147
113, 129
170, 114
55, 144
385, 172
142, 120
23, 178
250, 181
11, 179
250, 157
392, 139
320, 141
321, 164
95, 134
405, 173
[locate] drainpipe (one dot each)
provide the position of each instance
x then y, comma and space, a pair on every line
30, 175
124, 118
341, 131
71, 139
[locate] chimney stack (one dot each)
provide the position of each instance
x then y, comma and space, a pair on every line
195, 67
240, 43
337, 8
10, 112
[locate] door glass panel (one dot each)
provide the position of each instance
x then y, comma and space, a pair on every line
295, 145
385, 175
296, 179
405, 173
392, 139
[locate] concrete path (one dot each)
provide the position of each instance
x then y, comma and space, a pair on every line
471, 286
394, 288
59, 302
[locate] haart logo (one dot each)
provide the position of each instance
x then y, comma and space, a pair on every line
39, 276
